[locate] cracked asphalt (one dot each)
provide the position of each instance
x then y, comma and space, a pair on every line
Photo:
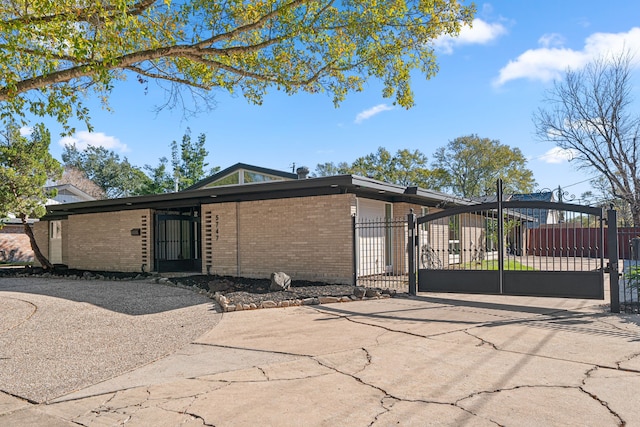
435, 359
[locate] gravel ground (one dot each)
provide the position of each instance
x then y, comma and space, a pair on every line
240, 290
60, 335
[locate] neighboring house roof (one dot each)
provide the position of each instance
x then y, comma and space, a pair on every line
540, 215
242, 169
545, 196
339, 184
69, 193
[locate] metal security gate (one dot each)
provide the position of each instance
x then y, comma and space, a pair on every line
178, 241
529, 248
380, 253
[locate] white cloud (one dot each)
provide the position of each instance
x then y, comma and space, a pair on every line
551, 60
558, 155
480, 32
26, 131
83, 139
367, 114
551, 40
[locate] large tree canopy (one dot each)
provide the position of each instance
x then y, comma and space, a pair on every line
25, 167
469, 167
188, 163
591, 113
405, 167
51, 52
116, 178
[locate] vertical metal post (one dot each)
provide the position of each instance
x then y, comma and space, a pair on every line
354, 240
411, 246
612, 246
501, 241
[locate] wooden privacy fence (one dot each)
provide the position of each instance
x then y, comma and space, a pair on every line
562, 240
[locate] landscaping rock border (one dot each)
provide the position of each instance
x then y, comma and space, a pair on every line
231, 293
359, 294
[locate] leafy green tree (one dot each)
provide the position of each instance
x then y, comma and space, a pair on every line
188, 164
53, 53
406, 168
25, 167
591, 113
160, 180
189, 160
469, 167
331, 169
117, 178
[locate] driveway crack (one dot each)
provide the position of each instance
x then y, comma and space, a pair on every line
483, 342
621, 421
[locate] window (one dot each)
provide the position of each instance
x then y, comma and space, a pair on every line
55, 230
243, 177
258, 177
232, 179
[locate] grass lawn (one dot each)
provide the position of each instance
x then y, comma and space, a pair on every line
510, 264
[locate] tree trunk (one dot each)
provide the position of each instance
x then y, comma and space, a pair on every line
634, 207
44, 262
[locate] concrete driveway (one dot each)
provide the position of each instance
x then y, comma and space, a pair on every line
444, 359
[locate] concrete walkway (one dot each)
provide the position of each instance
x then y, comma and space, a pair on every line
444, 359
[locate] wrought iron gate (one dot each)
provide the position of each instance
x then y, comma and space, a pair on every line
530, 248
178, 241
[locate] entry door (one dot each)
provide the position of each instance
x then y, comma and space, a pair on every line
55, 242
178, 241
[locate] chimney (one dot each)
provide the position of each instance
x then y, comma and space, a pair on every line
303, 172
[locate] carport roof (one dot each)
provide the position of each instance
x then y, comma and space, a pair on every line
339, 184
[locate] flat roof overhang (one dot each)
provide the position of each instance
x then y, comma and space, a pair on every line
339, 184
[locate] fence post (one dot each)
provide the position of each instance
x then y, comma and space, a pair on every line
411, 245
501, 241
612, 246
354, 248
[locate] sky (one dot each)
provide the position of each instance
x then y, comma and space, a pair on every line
491, 80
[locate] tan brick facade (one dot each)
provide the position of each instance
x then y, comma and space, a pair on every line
308, 238
220, 239
103, 241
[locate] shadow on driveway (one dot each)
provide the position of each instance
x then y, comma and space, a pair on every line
134, 298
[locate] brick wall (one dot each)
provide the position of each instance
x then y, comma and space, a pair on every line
103, 241
220, 239
309, 238
14, 244
65, 241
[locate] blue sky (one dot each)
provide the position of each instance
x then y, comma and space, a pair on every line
491, 80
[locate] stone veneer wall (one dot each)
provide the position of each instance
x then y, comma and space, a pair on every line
309, 238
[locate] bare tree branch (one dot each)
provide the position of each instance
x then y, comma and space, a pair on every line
588, 112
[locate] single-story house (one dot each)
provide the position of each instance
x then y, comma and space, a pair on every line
243, 221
